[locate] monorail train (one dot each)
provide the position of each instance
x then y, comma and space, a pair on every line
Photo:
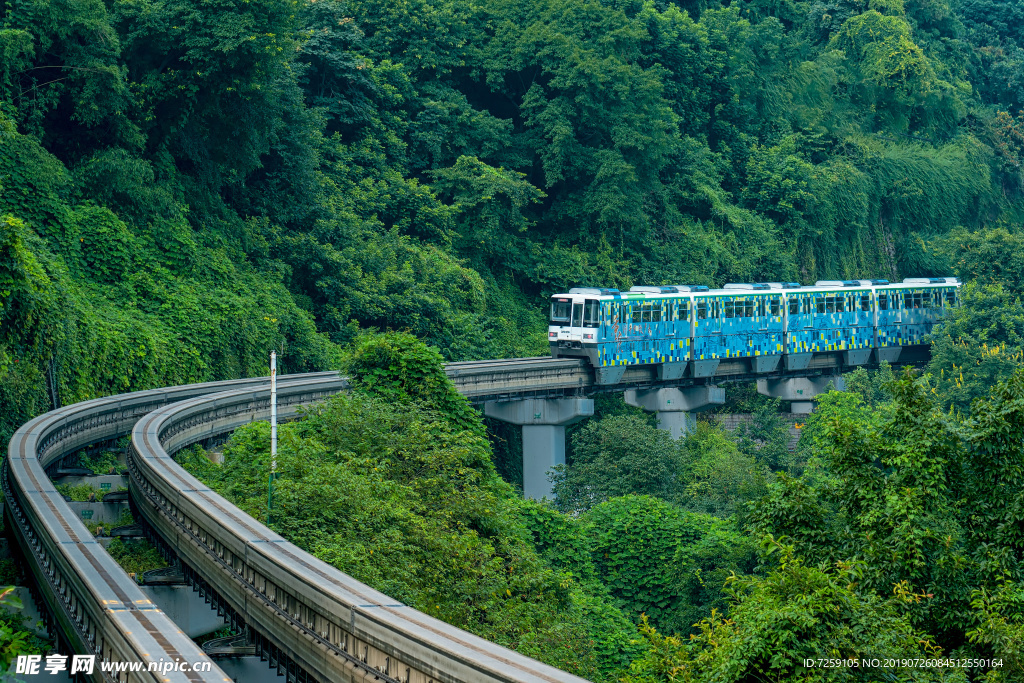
683, 328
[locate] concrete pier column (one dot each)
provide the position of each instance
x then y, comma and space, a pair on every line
544, 422
801, 392
676, 408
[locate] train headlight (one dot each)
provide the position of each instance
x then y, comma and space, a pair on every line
552, 335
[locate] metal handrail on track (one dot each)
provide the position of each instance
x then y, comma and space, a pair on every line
315, 621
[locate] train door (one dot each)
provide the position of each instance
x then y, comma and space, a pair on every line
890, 308
591, 320
890, 317
576, 325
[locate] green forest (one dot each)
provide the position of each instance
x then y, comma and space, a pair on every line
186, 185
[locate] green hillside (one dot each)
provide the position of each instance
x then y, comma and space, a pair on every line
186, 184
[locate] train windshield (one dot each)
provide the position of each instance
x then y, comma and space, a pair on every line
561, 309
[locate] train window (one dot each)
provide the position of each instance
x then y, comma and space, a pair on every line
951, 297
820, 300
730, 309
760, 306
840, 303
883, 302
794, 306
637, 315
750, 308
926, 301
656, 313
591, 313
865, 302
646, 308
830, 305
683, 310
577, 315
702, 310
776, 305
560, 309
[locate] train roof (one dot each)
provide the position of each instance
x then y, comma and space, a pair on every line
926, 282
743, 288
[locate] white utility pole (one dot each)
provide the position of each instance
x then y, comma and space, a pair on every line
273, 433
273, 413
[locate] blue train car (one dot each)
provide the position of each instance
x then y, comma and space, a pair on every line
833, 315
689, 329
613, 329
908, 311
738, 321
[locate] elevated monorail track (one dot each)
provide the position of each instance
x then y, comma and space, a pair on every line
546, 377
312, 621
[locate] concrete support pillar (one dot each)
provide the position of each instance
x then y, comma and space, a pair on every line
544, 422
799, 391
543, 449
677, 424
676, 408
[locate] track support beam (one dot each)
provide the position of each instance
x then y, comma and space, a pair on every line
801, 392
544, 422
676, 408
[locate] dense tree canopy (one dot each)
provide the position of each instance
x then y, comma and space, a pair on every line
439, 167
